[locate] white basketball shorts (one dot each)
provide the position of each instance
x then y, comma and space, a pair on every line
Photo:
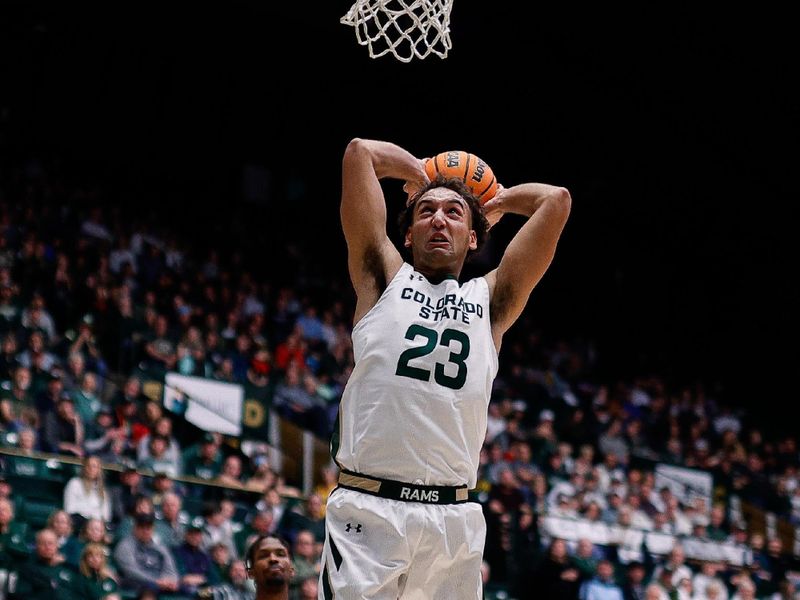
382, 549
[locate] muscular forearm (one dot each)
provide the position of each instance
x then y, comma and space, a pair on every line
527, 198
390, 160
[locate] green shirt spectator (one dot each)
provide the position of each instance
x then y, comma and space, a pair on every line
96, 579
13, 537
203, 461
44, 577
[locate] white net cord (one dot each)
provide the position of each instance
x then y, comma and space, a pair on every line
405, 28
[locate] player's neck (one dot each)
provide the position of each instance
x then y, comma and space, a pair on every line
437, 275
268, 594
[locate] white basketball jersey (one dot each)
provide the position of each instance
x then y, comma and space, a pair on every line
415, 406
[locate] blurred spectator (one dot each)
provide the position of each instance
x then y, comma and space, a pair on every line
171, 520
13, 536
237, 587
99, 580
85, 398
675, 565
634, 586
192, 562
260, 524
221, 560
157, 459
305, 559
8, 346
144, 563
291, 351
708, 577
93, 531
86, 495
295, 398
306, 516
273, 503
60, 523
602, 586
554, 577
63, 429
142, 505
17, 401
123, 495
217, 528
330, 479
103, 439
746, 590
203, 460
45, 575
231, 474
37, 318
160, 349
586, 559
36, 353
263, 476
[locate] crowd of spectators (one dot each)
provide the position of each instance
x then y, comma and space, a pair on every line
91, 298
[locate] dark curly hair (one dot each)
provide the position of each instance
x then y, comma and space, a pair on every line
250, 555
479, 222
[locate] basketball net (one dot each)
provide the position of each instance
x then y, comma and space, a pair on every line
405, 28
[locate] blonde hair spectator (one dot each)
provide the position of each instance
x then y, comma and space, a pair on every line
86, 495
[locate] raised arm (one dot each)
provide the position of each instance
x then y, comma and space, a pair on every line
530, 252
372, 258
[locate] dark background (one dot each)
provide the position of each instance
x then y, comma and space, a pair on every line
675, 134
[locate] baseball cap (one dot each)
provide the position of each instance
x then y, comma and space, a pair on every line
145, 519
194, 525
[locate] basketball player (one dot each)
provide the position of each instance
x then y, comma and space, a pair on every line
269, 564
413, 414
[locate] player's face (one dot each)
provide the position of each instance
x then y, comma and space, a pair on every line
272, 566
441, 231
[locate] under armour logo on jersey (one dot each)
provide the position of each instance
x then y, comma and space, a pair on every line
411, 277
350, 526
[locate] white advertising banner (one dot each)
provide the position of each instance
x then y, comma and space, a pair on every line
208, 404
686, 484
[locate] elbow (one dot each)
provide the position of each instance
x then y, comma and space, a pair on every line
357, 151
563, 201
356, 147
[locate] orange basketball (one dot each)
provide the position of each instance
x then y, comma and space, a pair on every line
467, 167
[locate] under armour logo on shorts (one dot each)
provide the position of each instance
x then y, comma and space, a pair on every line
350, 526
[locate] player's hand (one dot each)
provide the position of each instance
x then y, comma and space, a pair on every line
494, 209
412, 186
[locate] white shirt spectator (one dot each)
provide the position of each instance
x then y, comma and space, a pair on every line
700, 583
119, 257
681, 523
495, 423
87, 503
640, 520
40, 320
93, 228
561, 488
679, 573
727, 422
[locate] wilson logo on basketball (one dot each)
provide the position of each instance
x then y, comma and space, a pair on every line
480, 169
